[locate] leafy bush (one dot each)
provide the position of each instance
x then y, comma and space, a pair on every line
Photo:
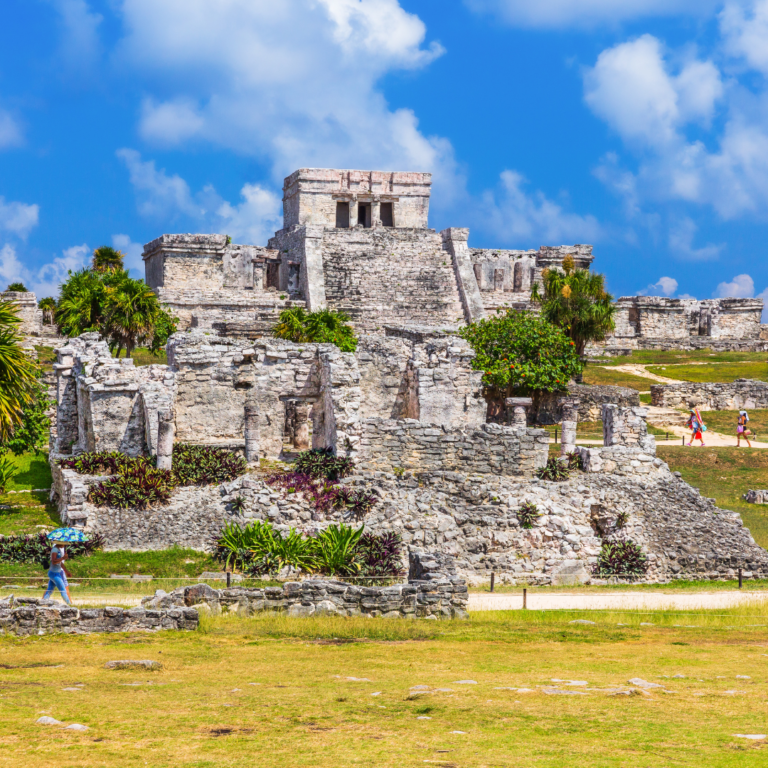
554, 470
326, 326
17, 287
238, 504
37, 549
380, 555
102, 463
8, 470
138, 486
527, 514
203, 465
622, 518
621, 558
575, 460
322, 463
335, 550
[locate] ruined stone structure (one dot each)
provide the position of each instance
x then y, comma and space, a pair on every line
32, 325
654, 322
712, 396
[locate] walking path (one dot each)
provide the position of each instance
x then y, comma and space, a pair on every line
636, 369
631, 601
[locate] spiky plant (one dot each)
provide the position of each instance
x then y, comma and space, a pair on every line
18, 372
527, 514
555, 470
48, 307
107, 259
325, 326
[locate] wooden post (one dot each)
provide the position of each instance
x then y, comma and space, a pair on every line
493, 580
740, 581
525, 599
229, 579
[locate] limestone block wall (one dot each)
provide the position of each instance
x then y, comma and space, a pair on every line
30, 616
31, 316
385, 276
591, 400
382, 362
490, 448
718, 396
445, 599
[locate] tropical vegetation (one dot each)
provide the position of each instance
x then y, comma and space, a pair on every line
48, 307
17, 288
624, 559
576, 301
37, 549
258, 548
325, 326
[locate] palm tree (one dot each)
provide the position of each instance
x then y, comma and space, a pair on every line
576, 301
48, 306
17, 372
131, 311
79, 308
107, 259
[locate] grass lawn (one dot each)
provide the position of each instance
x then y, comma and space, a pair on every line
594, 374
663, 357
725, 474
324, 693
716, 372
46, 356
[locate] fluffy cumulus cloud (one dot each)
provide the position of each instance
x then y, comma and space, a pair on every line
745, 31
45, 280
18, 218
159, 195
566, 13
681, 242
666, 286
291, 82
741, 287
514, 214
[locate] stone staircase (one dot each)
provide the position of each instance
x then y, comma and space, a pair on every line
390, 276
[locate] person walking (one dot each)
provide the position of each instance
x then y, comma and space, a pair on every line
57, 575
697, 426
741, 429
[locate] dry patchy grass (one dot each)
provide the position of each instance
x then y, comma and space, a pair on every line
278, 692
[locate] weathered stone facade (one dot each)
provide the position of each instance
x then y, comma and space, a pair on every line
712, 396
26, 616
591, 400
32, 325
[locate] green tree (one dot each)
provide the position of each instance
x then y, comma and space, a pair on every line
325, 326
17, 372
165, 326
576, 301
520, 353
131, 311
80, 305
31, 434
48, 306
18, 287
107, 259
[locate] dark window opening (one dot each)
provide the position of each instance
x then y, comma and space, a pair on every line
387, 214
294, 275
273, 275
342, 215
364, 215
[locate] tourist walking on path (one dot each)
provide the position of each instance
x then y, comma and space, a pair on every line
697, 426
742, 430
57, 576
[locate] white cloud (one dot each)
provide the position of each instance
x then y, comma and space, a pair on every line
587, 13
741, 287
745, 32
160, 196
10, 131
622, 182
631, 88
80, 46
18, 218
514, 215
133, 252
294, 83
681, 242
666, 286
44, 281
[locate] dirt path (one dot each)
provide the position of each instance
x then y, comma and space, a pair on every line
636, 369
632, 601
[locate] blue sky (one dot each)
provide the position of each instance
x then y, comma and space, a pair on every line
640, 126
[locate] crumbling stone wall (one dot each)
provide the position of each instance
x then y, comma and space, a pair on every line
443, 599
712, 396
591, 400
25, 616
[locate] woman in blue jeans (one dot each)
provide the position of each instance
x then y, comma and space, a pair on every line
57, 576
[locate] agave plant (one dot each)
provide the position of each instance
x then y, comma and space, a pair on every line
335, 550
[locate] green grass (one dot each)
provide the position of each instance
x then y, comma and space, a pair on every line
665, 357
725, 474
724, 372
142, 356
273, 691
594, 374
46, 356
34, 472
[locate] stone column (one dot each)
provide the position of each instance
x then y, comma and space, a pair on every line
570, 407
252, 436
166, 431
375, 213
301, 427
353, 213
517, 410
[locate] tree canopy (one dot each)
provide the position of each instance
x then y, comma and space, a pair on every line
521, 353
107, 259
325, 326
17, 287
576, 301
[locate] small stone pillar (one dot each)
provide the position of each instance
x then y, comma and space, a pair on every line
166, 431
570, 410
376, 213
301, 427
517, 410
252, 435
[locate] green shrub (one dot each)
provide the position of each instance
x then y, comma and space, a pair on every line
335, 550
138, 486
204, 465
575, 460
326, 326
17, 287
621, 558
322, 463
8, 470
555, 470
36, 549
527, 514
